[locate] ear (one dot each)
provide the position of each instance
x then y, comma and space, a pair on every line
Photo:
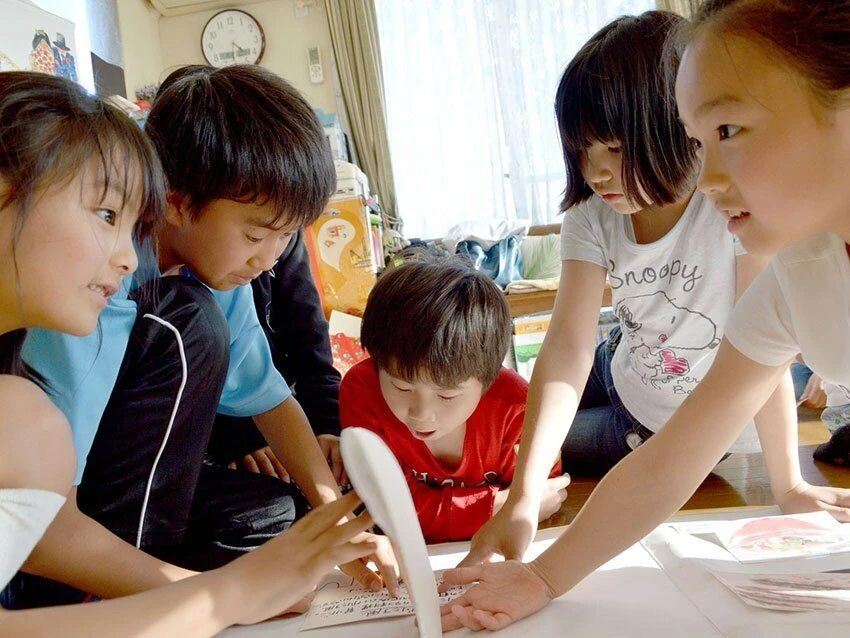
177, 209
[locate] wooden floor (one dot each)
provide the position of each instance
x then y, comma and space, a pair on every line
741, 480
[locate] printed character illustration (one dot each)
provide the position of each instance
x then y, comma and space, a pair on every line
65, 64
41, 56
332, 240
660, 347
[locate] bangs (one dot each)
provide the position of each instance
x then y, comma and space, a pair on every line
591, 109
127, 164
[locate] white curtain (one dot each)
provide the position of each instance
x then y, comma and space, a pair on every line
470, 88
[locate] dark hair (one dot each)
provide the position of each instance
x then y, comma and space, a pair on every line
437, 317
617, 88
812, 36
50, 129
241, 133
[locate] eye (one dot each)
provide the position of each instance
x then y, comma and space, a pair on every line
400, 389
695, 143
614, 149
109, 216
725, 131
253, 240
448, 398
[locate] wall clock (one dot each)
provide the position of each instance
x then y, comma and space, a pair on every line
233, 37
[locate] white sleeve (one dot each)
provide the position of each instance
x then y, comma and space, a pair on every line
760, 326
579, 239
24, 516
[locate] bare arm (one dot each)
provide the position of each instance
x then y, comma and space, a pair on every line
38, 452
293, 442
640, 492
630, 501
252, 588
560, 374
777, 427
776, 421
80, 552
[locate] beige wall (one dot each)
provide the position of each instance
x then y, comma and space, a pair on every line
140, 44
179, 40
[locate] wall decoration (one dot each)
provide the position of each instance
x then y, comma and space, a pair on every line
36, 40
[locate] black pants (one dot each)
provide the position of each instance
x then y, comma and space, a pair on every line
146, 477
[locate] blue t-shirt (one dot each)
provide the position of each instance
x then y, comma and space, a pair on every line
82, 371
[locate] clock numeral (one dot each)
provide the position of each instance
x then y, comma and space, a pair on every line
213, 35
229, 20
250, 28
210, 46
256, 39
219, 24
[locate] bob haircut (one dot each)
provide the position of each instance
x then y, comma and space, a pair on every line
437, 319
245, 134
618, 88
811, 36
50, 130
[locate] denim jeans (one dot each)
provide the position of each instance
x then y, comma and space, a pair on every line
603, 432
801, 375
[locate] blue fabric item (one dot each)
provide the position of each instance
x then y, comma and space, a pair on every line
801, 374
502, 262
81, 371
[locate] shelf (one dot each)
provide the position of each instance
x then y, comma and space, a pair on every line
529, 303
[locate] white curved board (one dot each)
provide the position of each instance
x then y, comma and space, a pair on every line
377, 478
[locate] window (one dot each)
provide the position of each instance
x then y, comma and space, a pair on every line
470, 88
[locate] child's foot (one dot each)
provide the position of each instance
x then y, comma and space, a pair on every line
836, 451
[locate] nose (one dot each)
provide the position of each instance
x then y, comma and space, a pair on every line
596, 166
268, 253
417, 409
712, 175
124, 258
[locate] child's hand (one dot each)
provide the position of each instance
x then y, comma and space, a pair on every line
505, 593
811, 498
385, 560
277, 576
330, 448
814, 395
554, 494
508, 533
263, 461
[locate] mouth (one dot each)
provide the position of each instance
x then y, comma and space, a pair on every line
103, 290
242, 280
422, 435
736, 219
610, 197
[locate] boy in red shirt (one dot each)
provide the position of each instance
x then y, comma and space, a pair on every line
435, 391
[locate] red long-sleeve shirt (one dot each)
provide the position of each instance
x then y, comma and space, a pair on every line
451, 504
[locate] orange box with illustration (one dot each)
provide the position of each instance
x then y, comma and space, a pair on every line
340, 244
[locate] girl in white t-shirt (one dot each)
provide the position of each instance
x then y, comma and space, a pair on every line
763, 88
674, 270
78, 183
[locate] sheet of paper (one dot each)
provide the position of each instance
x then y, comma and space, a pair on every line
791, 592
339, 600
773, 537
689, 551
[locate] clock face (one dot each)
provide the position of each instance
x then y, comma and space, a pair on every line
233, 37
